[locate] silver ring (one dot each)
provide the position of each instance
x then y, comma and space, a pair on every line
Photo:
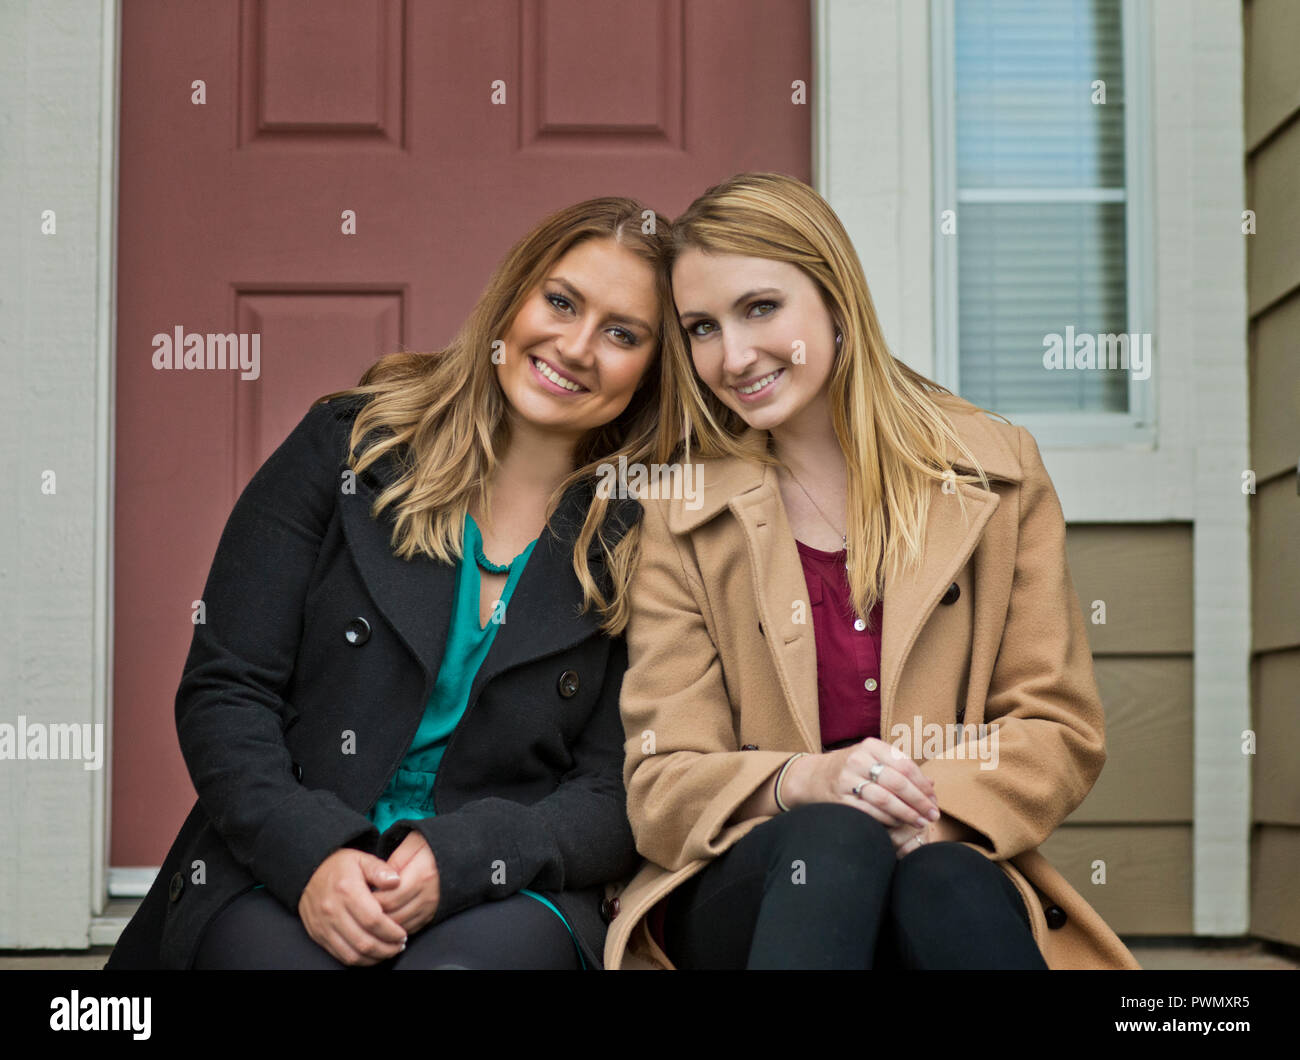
873, 777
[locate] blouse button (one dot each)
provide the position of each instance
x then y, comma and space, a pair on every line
859, 625
871, 685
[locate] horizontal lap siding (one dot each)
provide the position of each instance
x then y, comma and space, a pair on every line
1276, 722
1274, 883
1137, 820
1275, 564
1272, 92
1148, 874
1275, 710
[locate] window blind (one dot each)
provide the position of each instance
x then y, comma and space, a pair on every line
1040, 178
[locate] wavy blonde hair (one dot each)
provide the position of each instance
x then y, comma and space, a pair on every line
885, 416
443, 414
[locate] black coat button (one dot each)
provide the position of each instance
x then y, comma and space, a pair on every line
950, 597
357, 631
1055, 916
750, 747
608, 909
176, 885
568, 684
297, 772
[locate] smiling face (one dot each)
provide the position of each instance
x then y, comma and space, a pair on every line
582, 340
761, 337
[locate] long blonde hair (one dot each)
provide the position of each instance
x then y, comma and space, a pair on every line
888, 424
443, 414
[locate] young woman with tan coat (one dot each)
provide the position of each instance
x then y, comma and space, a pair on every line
859, 693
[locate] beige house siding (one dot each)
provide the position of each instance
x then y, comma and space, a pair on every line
1272, 105
1128, 847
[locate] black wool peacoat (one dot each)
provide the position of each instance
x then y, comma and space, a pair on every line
303, 689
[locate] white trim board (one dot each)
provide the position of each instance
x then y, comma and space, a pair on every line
131, 882
105, 433
58, 80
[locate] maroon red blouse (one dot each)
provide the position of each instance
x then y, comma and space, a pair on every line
848, 665
848, 651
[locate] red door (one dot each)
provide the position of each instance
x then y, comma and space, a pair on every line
252, 129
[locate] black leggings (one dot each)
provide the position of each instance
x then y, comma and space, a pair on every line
822, 887
256, 932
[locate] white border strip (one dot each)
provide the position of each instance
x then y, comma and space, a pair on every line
105, 419
1015, 195
943, 133
132, 882
1199, 53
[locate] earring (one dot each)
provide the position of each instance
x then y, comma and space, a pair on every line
838, 338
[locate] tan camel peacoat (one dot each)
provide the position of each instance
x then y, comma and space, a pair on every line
721, 686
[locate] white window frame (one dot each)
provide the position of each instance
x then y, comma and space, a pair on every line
1137, 427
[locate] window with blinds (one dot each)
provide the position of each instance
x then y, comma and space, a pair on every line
1034, 208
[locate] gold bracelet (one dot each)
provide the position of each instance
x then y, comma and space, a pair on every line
781, 776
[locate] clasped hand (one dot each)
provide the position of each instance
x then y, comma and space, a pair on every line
361, 908
902, 798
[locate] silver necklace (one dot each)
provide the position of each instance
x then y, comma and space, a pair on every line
843, 536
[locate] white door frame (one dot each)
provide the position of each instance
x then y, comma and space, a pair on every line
59, 83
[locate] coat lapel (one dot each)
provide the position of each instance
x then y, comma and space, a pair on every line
416, 596
778, 581
749, 490
950, 537
545, 615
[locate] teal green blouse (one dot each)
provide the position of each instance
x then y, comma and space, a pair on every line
409, 792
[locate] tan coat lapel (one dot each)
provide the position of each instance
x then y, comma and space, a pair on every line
777, 580
951, 535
